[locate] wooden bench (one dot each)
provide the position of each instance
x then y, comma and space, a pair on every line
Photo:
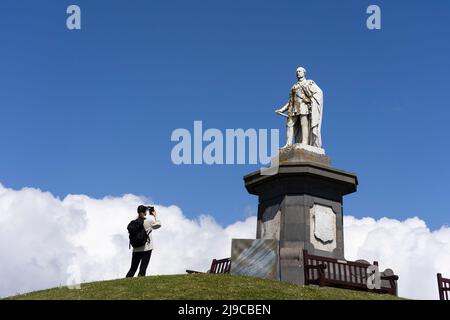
217, 266
344, 274
444, 287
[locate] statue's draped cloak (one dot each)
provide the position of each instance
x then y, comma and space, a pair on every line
312, 91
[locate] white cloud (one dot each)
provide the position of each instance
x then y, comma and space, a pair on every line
43, 239
414, 252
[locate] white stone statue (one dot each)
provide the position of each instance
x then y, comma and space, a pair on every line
305, 110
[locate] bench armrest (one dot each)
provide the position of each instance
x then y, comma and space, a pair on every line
320, 270
394, 277
192, 271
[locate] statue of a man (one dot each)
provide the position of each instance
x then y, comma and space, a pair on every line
305, 109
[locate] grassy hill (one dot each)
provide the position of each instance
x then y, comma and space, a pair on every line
198, 286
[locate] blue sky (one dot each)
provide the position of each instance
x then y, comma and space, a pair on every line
92, 111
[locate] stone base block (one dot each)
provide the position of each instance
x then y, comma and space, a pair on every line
256, 258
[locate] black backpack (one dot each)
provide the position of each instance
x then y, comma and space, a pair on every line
137, 234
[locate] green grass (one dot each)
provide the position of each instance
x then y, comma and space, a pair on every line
198, 286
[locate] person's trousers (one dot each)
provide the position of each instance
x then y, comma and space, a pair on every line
139, 257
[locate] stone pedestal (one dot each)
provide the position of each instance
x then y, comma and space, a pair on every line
301, 207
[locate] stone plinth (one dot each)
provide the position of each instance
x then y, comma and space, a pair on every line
300, 206
299, 153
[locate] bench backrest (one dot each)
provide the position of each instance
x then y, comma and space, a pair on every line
220, 266
337, 271
444, 287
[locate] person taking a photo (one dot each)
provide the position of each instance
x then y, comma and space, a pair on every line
140, 234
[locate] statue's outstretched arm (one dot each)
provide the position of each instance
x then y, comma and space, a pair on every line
284, 108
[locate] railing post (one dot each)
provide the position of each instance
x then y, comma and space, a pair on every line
305, 269
440, 286
213, 266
